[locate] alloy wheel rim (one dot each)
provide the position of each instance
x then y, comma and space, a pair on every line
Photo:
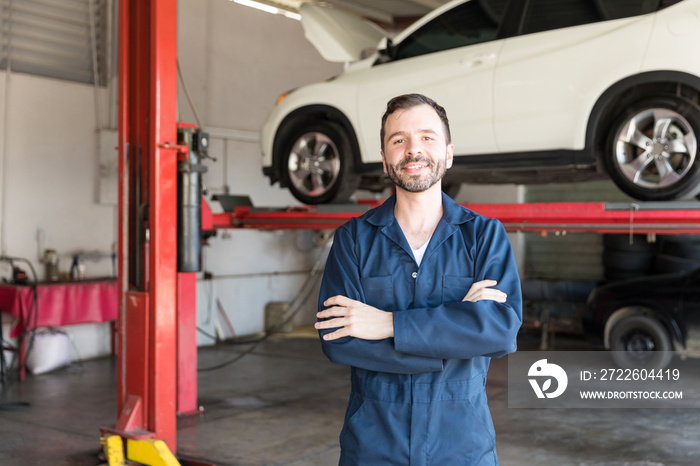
656, 148
314, 164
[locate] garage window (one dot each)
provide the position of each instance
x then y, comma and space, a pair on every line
54, 38
470, 23
544, 15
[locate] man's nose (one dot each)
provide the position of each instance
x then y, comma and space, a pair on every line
414, 147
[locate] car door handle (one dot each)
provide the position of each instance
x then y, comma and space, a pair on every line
477, 60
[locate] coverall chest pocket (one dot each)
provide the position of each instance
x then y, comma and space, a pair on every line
379, 292
455, 288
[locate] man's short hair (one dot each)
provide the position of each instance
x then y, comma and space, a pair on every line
407, 101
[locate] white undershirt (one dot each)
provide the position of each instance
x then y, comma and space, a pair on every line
418, 253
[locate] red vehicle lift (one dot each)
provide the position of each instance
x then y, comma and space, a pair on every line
581, 217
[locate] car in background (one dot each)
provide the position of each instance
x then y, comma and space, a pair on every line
645, 320
537, 91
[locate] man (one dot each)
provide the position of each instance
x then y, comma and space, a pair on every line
418, 294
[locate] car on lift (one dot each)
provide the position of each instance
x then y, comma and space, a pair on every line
643, 321
537, 91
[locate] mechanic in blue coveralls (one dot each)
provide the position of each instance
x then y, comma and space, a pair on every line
418, 294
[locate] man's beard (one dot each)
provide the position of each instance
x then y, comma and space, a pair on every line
420, 182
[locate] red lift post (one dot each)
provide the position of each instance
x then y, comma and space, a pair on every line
147, 330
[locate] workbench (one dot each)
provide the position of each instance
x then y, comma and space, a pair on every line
57, 304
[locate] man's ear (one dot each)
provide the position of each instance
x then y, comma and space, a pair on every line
449, 158
383, 161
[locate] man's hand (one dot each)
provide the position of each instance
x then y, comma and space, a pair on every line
481, 290
354, 319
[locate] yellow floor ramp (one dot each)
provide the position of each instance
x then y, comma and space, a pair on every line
149, 452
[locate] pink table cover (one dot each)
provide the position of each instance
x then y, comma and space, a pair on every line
63, 303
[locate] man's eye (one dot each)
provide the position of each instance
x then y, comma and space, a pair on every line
398, 141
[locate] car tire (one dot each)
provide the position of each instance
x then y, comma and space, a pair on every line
621, 243
640, 341
617, 275
317, 164
630, 261
664, 263
688, 249
652, 151
622, 260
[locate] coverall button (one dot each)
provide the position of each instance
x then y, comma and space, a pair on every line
414, 274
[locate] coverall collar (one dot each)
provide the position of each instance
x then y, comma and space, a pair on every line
452, 214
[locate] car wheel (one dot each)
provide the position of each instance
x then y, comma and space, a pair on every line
317, 164
640, 341
651, 153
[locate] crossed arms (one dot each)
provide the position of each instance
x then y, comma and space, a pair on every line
353, 318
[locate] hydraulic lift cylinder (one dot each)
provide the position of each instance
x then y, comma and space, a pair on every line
189, 199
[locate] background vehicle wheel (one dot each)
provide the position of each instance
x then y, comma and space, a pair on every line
651, 152
317, 164
640, 341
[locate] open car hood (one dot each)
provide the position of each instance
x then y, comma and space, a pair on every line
338, 36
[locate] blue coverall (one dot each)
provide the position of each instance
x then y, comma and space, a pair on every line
419, 398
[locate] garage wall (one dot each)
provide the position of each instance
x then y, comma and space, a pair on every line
49, 181
49, 152
236, 61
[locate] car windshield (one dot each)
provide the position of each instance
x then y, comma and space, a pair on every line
470, 23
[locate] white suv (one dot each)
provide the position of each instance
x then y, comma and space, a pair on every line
537, 91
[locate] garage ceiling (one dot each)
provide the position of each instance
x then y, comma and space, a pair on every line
397, 13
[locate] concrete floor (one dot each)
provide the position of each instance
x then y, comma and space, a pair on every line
283, 404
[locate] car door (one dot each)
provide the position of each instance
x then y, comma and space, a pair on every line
550, 76
450, 59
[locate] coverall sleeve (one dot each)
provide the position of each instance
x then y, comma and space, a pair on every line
342, 277
463, 330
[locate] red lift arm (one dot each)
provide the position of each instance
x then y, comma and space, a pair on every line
582, 217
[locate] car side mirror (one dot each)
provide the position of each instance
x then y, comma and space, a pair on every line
386, 51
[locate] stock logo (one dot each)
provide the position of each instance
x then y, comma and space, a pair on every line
544, 371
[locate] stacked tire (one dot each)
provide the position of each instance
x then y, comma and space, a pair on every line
625, 257
678, 254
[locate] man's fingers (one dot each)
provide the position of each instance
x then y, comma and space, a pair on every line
335, 311
483, 284
494, 295
483, 290
340, 300
340, 333
331, 323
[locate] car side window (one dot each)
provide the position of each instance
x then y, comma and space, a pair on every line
470, 23
545, 15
